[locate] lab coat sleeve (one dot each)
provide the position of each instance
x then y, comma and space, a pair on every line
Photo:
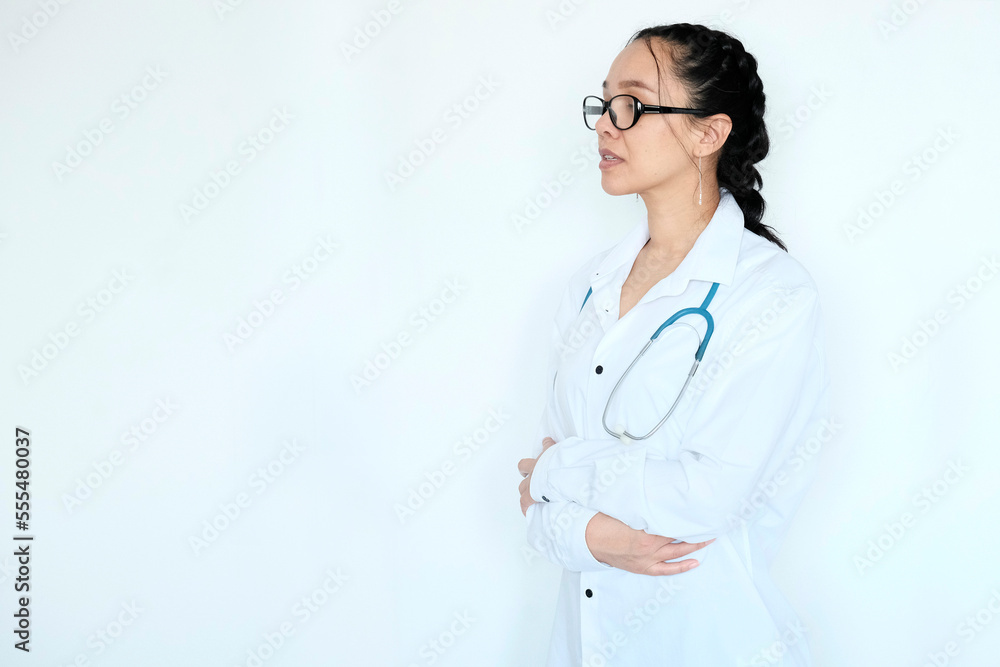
557, 529
750, 415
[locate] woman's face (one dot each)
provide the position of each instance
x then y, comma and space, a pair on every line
657, 149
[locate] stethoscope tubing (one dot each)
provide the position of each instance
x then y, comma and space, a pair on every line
701, 310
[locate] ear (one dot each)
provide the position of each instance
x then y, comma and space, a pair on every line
714, 131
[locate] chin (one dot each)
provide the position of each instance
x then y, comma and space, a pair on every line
616, 188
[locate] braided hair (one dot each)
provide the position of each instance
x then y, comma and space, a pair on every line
722, 77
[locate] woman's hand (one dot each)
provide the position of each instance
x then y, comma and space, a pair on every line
614, 543
525, 466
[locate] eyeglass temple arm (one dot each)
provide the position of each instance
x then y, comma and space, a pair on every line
654, 109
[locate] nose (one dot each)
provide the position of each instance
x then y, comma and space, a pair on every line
604, 124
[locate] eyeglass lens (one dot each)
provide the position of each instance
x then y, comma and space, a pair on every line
622, 111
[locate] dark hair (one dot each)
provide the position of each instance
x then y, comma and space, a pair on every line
722, 78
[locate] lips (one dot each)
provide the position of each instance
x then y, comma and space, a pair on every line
609, 160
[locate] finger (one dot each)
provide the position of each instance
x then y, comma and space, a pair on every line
525, 466
547, 442
660, 569
681, 548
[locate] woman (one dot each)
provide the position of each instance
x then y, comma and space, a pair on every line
611, 496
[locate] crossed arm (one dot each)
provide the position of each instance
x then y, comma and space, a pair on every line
554, 529
743, 417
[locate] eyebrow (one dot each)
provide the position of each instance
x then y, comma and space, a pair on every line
629, 83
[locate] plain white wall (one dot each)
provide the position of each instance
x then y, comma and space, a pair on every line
856, 93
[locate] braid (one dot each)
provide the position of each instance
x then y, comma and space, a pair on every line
736, 170
722, 77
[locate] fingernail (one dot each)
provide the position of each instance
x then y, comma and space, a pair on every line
693, 565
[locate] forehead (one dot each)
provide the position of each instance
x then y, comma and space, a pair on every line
634, 70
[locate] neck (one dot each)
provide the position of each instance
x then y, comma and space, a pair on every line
675, 220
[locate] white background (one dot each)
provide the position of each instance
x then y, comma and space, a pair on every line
850, 106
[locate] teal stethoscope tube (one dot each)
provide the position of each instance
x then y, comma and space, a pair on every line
701, 310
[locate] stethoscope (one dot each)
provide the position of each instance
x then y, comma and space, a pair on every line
701, 310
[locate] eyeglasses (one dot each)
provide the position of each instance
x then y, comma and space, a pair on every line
625, 110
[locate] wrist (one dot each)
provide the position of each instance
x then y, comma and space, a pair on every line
599, 536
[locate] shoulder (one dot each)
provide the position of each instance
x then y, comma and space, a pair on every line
763, 267
769, 279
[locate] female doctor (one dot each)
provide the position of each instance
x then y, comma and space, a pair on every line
687, 386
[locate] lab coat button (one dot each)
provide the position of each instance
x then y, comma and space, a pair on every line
599, 370
589, 593
545, 499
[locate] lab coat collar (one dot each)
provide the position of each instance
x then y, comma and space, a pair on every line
712, 258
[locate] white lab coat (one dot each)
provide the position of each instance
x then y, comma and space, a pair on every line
732, 462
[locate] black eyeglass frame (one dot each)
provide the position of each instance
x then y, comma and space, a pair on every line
640, 109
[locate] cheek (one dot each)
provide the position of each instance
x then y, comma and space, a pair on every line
650, 153
659, 161
646, 165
